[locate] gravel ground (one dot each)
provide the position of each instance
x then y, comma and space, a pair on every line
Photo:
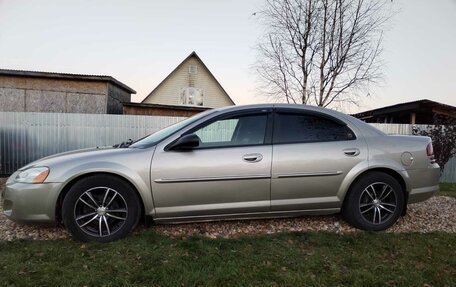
435, 214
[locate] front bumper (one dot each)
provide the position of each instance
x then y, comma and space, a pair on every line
424, 182
25, 202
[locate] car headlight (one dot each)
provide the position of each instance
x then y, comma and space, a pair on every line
33, 175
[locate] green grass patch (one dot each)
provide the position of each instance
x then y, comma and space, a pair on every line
298, 259
447, 189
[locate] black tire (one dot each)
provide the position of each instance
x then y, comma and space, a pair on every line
374, 202
110, 205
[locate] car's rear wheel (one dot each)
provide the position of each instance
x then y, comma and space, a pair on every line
374, 202
100, 208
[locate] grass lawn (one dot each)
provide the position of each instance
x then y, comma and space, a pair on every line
447, 189
301, 259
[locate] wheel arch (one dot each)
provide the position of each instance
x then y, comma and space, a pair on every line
386, 170
70, 183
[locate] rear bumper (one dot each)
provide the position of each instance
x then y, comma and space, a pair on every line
424, 183
422, 194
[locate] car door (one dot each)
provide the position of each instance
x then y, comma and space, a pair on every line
228, 173
312, 153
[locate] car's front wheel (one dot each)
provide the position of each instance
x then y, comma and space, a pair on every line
374, 202
100, 208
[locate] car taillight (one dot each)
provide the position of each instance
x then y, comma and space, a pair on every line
430, 152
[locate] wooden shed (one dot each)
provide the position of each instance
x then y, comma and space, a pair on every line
31, 91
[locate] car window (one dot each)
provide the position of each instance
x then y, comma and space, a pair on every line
162, 134
219, 131
294, 128
234, 131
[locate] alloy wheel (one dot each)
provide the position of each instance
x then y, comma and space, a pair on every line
100, 211
377, 203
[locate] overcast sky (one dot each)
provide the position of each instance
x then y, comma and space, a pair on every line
141, 42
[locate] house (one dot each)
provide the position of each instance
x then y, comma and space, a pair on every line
416, 112
189, 89
29, 91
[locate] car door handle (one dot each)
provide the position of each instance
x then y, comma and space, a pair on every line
351, 152
254, 157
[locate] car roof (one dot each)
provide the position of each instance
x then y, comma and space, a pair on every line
366, 128
288, 106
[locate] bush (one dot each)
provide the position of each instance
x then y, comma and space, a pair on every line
443, 134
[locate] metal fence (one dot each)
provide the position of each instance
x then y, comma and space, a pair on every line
398, 129
25, 137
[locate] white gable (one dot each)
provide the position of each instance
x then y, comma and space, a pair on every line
191, 84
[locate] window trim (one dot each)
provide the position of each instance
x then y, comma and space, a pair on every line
267, 138
290, 111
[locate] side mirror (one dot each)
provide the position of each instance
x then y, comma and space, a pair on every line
186, 142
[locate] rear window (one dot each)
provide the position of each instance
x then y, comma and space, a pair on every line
301, 128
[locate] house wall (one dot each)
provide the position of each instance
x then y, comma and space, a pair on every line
116, 96
27, 94
168, 93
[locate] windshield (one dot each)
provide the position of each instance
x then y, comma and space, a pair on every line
160, 135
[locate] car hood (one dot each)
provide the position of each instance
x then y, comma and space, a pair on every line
79, 155
132, 164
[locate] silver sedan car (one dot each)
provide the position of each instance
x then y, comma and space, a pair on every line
270, 160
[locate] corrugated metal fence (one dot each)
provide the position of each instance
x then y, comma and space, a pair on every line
25, 137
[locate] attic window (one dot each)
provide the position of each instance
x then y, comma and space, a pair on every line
191, 96
193, 69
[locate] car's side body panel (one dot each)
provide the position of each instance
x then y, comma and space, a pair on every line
407, 156
210, 181
307, 175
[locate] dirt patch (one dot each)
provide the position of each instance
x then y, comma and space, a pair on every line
435, 214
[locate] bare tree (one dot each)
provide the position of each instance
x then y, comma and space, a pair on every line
320, 51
